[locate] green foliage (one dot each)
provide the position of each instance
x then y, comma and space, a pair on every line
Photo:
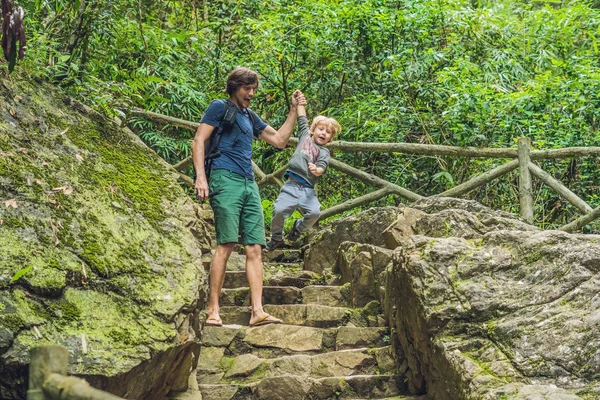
451, 72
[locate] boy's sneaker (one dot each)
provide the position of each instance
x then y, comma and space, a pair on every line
294, 233
274, 244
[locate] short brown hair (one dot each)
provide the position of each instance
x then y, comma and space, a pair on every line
240, 76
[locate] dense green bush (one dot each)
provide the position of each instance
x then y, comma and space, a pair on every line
452, 72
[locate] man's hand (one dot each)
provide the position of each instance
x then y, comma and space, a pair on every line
201, 189
298, 99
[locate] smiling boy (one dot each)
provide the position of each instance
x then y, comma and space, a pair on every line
309, 161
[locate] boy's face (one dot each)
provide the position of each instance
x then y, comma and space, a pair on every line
322, 134
243, 95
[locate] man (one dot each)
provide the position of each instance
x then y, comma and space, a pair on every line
233, 193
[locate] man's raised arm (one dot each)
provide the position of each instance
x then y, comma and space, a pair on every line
279, 138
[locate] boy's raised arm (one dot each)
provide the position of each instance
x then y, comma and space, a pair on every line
301, 103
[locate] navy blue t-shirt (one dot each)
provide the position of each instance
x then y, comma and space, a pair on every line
235, 145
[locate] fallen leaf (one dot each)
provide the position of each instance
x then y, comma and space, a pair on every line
65, 131
38, 334
11, 203
38, 182
18, 99
78, 156
67, 190
12, 112
1, 221
83, 344
83, 274
55, 229
52, 201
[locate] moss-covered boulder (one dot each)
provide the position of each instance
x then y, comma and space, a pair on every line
100, 249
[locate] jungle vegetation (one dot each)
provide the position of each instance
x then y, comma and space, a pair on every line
453, 72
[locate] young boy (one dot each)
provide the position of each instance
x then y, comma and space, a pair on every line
309, 161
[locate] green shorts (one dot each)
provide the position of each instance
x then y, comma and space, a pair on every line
237, 208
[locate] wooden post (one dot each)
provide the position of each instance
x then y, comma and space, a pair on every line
525, 191
45, 360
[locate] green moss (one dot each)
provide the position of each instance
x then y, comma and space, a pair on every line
65, 310
47, 281
317, 280
259, 373
137, 177
226, 363
491, 327
373, 308
356, 317
121, 330
322, 369
22, 311
346, 292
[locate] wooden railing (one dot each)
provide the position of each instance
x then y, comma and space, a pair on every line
48, 378
523, 157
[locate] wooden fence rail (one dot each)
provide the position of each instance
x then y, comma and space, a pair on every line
523, 156
48, 378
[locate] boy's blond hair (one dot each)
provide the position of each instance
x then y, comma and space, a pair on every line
330, 122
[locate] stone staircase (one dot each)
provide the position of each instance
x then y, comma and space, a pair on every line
324, 350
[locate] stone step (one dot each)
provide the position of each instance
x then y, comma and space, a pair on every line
248, 368
313, 315
296, 278
277, 340
283, 256
294, 387
314, 294
409, 397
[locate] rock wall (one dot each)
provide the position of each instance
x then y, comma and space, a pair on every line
100, 249
481, 304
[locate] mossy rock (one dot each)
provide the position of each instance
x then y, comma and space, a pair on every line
99, 245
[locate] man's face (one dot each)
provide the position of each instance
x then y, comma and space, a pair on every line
243, 94
322, 134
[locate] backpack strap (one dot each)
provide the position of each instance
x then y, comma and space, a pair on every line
253, 118
229, 117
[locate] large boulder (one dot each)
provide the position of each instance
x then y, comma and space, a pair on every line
510, 314
449, 217
366, 227
363, 267
100, 250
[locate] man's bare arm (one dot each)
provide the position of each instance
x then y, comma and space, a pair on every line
279, 138
203, 133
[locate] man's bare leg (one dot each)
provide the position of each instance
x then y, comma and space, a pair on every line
217, 277
254, 275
